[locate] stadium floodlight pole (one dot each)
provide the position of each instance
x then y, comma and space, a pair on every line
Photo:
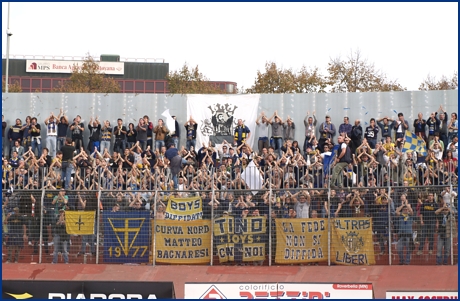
8, 35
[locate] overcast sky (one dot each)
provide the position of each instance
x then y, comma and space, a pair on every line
231, 41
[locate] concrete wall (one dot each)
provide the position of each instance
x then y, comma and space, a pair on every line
130, 107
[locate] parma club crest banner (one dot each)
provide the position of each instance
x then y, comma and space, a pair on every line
184, 209
301, 240
126, 236
352, 241
217, 116
185, 242
240, 239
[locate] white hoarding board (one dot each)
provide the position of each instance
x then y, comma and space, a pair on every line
278, 291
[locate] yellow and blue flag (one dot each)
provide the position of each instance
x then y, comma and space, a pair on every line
414, 143
80, 222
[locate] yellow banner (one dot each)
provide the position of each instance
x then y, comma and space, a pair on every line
183, 242
240, 239
80, 222
300, 240
352, 242
184, 209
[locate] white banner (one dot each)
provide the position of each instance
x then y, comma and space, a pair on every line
422, 295
51, 66
217, 116
278, 291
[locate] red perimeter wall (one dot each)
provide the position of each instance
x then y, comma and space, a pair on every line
383, 278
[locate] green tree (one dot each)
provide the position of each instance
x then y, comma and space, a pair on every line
88, 79
279, 80
14, 87
430, 83
356, 74
190, 81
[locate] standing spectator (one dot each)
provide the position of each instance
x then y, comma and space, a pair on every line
289, 129
446, 229
345, 127
17, 234
405, 220
88, 203
62, 126
371, 133
131, 136
160, 134
141, 136
67, 157
277, 132
25, 133
61, 238
51, 133
310, 125
401, 125
94, 135
35, 136
149, 131
191, 127
77, 129
4, 143
242, 133
433, 126
106, 137
120, 137
386, 126
443, 125
327, 131
342, 160
420, 127
428, 222
176, 134
356, 136
15, 133
453, 127
262, 132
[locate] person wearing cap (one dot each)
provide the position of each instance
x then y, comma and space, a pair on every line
405, 220
326, 131
17, 234
447, 228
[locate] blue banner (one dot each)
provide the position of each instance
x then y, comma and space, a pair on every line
126, 237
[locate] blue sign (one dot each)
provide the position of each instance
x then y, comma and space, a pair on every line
126, 237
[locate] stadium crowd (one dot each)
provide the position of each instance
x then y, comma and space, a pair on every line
368, 169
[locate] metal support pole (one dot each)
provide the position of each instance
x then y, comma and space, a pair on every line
8, 35
41, 243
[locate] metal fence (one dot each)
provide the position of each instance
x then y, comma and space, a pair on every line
233, 215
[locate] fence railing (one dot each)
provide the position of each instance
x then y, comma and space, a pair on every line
224, 225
